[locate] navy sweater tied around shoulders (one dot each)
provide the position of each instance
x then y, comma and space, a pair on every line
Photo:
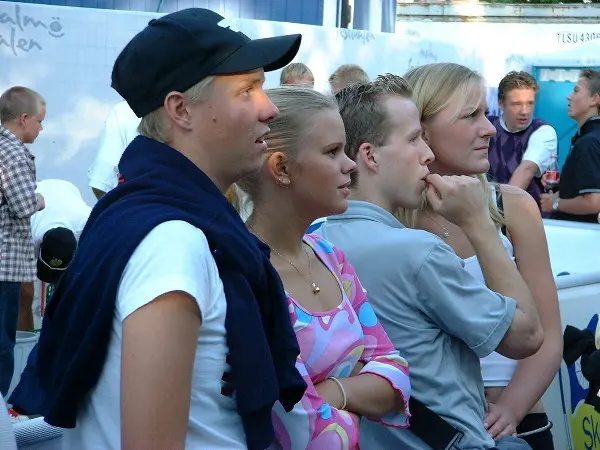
159, 184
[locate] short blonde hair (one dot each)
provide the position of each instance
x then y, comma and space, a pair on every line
348, 74
435, 87
154, 126
297, 109
516, 80
19, 100
294, 70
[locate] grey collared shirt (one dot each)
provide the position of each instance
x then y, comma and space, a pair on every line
437, 315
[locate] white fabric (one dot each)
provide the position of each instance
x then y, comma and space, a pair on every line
173, 257
496, 370
541, 147
35, 434
65, 207
119, 130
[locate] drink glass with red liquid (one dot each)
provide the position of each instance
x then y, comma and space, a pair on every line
552, 181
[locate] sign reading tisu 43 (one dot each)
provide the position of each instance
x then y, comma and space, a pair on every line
574, 37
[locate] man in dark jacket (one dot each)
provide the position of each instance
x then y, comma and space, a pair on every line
578, 198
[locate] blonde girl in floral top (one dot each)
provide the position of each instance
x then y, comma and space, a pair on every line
350, 366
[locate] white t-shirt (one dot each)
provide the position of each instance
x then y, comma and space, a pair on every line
120, 129
173, 257
65, 207
496, 370
541, 147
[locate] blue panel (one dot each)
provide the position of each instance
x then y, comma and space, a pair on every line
299, 11
248, 8
152, 5
106, 4
320, 6
388, 16
294, 11
278, 10
171, 6
262, 10
137, 5
180, 4
312, 12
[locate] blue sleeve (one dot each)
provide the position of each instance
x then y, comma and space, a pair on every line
461, 305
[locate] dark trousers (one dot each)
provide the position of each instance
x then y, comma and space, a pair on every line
10, 295
538, 441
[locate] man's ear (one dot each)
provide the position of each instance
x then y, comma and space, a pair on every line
367, 156
596, 100
22, 119
176, 107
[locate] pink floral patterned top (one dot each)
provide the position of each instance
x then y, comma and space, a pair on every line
331, 344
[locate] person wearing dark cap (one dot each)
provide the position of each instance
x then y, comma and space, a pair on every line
169, 329
55, 231
57, 248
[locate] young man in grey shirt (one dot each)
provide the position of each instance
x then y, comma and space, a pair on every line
435, 313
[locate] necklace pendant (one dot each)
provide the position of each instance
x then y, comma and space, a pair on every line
316, 289
446, 234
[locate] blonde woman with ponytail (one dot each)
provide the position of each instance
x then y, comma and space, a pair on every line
349, 364
452, 102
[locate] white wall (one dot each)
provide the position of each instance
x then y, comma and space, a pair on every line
71, 52
496, 48
67, 55
574, 248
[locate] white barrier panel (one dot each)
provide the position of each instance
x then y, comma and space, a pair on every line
575, 249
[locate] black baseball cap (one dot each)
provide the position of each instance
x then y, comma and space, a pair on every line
178, 50
56, 252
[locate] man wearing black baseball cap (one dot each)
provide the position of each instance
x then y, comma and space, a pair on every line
169, 329
57, 248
